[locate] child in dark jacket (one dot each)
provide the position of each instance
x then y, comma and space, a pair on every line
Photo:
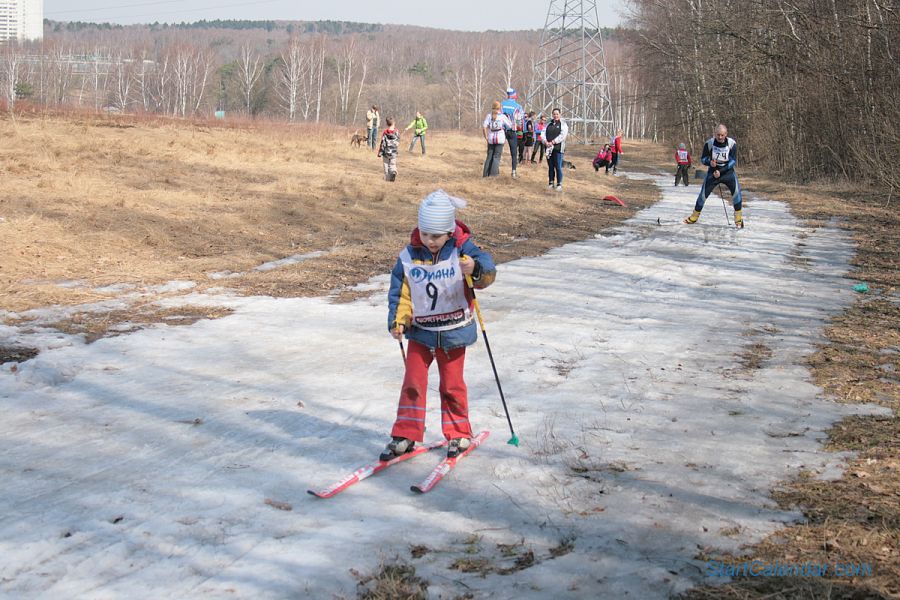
431, 304
389, 149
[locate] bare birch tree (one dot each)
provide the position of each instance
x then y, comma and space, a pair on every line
293, 64
344, 68
362, 82
123, 78
476, 82
10, 66
509, 64
249, 71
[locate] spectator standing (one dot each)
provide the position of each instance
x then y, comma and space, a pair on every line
616, 147
373, 122
539, 128
419, 126
555, 141
495, 126
513, 110
527, 137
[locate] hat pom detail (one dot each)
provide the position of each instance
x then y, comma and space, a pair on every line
437, 212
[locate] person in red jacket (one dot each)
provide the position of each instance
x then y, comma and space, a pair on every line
616, 150
430, 303
603, 159
683, 162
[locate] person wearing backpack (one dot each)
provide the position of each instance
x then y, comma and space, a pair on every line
513, 111
389, 149
494, 128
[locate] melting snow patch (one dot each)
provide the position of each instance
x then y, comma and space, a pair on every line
641, 443
116, 288
290, 260
224, 275
172, 286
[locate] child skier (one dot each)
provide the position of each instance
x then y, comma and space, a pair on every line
683, 163
388, 150
430, 303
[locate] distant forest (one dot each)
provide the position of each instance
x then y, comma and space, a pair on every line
320, 71
329, 27
810, 89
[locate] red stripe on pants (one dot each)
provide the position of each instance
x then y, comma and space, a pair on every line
410, 421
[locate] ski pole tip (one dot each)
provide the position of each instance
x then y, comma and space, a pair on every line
514, 441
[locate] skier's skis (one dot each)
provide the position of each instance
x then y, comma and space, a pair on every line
447, 465
370, 469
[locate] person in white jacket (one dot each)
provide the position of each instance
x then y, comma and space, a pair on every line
555, 141
494, 128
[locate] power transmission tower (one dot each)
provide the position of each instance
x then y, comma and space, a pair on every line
570, 73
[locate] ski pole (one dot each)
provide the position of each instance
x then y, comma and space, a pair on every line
402, 351
514, 440
724, 207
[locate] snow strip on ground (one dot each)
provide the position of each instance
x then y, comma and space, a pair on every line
139, 465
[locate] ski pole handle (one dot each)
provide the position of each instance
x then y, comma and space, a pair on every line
475, 301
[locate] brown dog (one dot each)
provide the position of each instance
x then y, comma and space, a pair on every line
357, 139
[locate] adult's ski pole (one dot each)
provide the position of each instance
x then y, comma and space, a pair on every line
724, 207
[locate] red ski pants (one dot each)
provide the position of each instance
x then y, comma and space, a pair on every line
410, 421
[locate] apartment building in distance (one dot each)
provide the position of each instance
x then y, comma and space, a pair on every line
21, 20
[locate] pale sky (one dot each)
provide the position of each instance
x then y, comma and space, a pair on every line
468, 15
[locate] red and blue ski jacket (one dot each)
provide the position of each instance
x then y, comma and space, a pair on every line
400, 304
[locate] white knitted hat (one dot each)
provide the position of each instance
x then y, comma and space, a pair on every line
437, 212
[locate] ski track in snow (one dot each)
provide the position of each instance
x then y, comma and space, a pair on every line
643, 438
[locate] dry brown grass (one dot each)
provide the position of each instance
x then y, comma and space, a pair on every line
123, 200
855, 519
94, 325
393, 581
105, 201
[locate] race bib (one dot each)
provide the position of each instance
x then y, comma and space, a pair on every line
437, 292
720, 155
682, 155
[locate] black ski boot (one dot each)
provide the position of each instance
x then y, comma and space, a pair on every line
397, 447
457, 446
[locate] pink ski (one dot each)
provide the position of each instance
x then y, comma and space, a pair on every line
370, 469
447, 465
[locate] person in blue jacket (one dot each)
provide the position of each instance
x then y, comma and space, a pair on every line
720, 155
430, 302
516, 114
